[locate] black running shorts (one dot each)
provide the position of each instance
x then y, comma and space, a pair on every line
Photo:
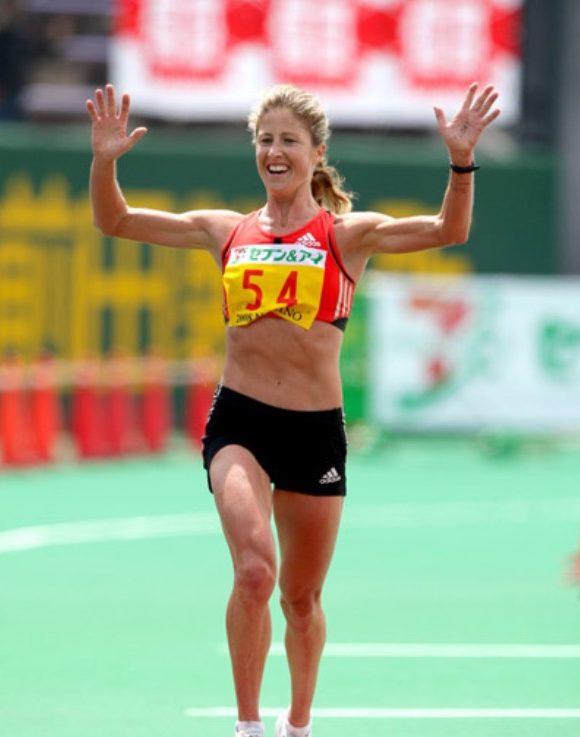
300, 451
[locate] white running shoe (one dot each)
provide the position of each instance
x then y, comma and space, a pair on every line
257, 731
280, 730
282, 726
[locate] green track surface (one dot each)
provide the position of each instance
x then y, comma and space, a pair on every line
440, 544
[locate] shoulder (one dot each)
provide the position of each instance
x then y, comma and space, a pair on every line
218, 224
355, 233
359, 221
351, 232
353, 229
219, 220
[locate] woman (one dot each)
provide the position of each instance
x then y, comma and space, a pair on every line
277, 418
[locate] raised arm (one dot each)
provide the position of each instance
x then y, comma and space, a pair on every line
370, 233
205, 229
461, 135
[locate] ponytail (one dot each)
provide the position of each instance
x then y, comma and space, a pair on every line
327, 189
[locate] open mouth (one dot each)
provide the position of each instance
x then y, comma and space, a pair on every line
277, 169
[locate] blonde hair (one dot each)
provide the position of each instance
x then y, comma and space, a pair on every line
327, 184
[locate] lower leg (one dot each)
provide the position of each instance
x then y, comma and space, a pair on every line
249, 634
305, 637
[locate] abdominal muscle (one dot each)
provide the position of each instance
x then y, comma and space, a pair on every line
284, 365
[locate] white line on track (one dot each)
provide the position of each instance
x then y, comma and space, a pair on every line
387, 516
105, 530
362, 713
444, 651
441, 650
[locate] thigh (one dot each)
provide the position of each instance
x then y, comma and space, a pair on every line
243, 497
307, 531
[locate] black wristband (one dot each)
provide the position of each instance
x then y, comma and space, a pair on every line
464, 169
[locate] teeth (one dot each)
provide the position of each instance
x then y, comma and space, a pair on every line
277, 169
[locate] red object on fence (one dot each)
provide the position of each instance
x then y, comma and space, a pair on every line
120, 421
45, 407
156, 415
15, 421
88, 416
200, 396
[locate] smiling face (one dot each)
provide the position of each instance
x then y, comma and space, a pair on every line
285, 154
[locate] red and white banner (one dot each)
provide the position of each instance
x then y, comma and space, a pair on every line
377, 62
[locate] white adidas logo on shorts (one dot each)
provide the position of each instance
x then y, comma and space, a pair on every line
330, 477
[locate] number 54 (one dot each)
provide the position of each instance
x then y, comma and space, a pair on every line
287, 295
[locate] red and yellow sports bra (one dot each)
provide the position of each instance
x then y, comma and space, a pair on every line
299, 277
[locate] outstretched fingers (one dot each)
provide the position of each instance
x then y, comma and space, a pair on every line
109, 114
469, 97
111, 102
104, 104
440, 117
481, 105
491, 118
137, 134
483, 98
100, 103
486, 105
125, 106
92, 111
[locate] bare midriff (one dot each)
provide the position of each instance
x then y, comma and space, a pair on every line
284, 365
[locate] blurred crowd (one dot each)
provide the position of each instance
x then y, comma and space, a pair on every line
52, 54
13, 59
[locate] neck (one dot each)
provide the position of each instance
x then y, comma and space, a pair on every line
282, 213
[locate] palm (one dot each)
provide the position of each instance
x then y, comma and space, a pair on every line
109, 125
109, 138
462, 132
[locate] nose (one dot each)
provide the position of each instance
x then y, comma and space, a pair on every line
273, 148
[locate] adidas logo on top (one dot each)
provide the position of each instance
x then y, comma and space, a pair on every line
330, 477
308, 240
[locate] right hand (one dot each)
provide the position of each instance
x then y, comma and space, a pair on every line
109, 128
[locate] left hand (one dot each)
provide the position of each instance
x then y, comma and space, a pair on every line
462, 132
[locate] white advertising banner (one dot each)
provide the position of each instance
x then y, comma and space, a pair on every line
473, 353
373, 62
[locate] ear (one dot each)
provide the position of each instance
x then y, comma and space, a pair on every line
320, 153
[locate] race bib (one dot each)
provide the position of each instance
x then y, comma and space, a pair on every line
283, 278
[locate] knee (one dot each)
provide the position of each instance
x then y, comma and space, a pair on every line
301, 609
255, 579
